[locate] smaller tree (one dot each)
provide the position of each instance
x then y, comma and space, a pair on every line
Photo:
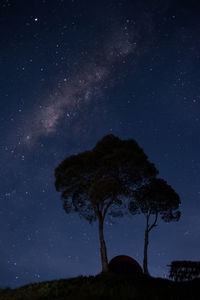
154, 199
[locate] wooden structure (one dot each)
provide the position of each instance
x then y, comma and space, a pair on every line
125, 266
184, 270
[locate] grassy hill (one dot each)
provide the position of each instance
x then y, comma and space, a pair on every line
105, 286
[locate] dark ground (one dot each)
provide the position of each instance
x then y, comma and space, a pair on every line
105, 286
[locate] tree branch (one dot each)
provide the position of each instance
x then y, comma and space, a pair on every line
154, 223
96, 210
106, 209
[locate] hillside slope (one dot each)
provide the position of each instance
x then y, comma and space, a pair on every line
105, 286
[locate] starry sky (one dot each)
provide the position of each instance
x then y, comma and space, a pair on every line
73, 71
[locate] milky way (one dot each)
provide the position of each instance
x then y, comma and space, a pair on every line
80, 89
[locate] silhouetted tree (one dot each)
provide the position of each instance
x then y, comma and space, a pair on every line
95, 183
154, 199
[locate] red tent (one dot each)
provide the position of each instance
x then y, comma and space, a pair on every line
124, 265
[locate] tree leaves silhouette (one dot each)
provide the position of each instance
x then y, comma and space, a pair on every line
96, 183
154, 199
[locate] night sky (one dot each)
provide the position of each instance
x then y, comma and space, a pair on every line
72, 72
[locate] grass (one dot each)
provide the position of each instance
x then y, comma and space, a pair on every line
105, 286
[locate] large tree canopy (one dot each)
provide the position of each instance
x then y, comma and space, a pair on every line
154, 199
94, 183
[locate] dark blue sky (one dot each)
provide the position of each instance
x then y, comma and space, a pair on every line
72, 72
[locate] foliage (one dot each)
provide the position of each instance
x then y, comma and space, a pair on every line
157, 197
94, 181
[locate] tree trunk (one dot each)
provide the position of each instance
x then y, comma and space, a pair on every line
145, 261
104, 259
146, 243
